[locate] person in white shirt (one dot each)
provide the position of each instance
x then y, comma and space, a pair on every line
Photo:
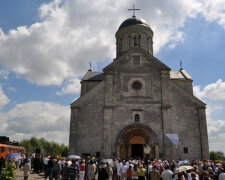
216, 168
177, 165
167, 174
69, 162
45, 162
124, 168
119, 166
179, 176
222, 174
192, 175
63, 161
149, 168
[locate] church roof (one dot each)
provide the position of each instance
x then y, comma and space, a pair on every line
133, 21
139, 50
93, 76
180, 75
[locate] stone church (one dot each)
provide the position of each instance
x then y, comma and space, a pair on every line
127, 110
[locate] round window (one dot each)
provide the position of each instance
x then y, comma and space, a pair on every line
136, 85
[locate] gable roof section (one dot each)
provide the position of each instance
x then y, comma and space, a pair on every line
88, 96
179, 75
93, 76
139, 49
185, 92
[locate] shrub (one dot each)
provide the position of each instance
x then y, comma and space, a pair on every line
8, 172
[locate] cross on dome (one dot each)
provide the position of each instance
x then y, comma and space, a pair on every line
133, 10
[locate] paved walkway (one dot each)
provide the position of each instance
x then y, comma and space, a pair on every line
19, 176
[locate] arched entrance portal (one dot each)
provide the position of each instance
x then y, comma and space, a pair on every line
136, 144
136, 141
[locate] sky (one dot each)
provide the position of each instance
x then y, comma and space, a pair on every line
46, 47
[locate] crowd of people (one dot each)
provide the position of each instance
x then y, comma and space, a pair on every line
87, 168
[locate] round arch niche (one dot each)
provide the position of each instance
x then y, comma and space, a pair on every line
135, 138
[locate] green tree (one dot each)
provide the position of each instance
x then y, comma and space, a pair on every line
35, 143
47, 147
56, 150
64, 150
26, 143
220, 155
43, 144
51, 148
213, 155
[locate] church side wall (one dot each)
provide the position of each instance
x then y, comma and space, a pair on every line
186, 84
89, 130
89, 124
182, 118
204, 133
87, 86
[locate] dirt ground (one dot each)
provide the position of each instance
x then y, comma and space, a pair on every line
19, 176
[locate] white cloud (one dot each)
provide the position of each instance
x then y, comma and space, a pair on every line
39, 119
216, 134
3, 99
4, 73
35, 118
214, 91
69, 35
216, 128
214, 10
71, 87
213, 94
73, 32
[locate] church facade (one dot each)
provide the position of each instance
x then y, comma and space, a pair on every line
128, 109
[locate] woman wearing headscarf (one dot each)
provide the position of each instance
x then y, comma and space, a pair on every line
27, 169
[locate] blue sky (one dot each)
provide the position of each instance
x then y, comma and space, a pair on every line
43, 55
201, 51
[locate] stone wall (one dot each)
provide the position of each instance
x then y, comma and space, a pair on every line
86, 131
87, 86
163, 105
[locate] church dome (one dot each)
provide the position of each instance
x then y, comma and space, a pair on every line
134, 32
133, 21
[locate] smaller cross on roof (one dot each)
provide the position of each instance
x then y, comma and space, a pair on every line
133, 10
181, 68
90, 66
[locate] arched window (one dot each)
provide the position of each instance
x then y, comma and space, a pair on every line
121, 43
139, 40
135, 40
136, 85
129, 41
137, 118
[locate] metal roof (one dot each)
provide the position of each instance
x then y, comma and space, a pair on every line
133, 21
181, 75
93, 76
99, 76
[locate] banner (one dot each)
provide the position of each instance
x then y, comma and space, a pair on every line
147, 149
174, 139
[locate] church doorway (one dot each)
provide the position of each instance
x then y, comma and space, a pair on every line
136, 141
136, 145
137, 151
